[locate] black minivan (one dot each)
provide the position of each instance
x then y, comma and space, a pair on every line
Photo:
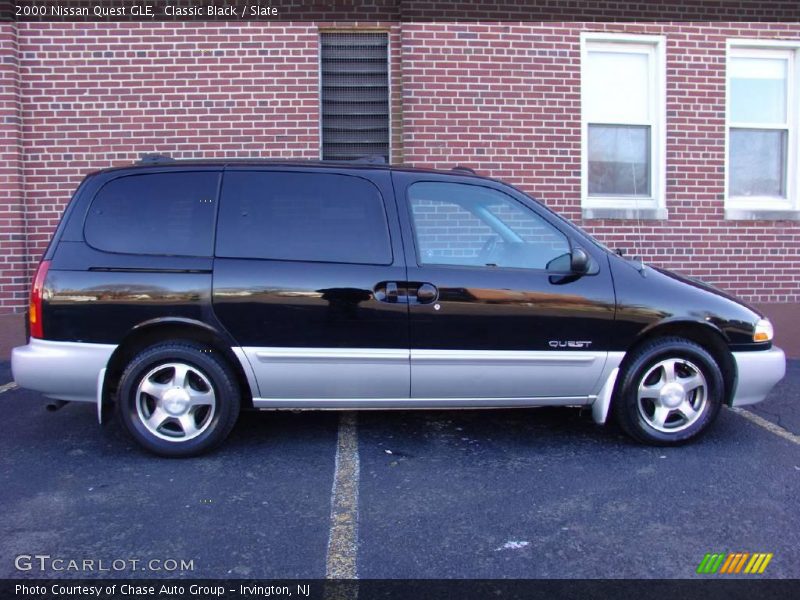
184, 292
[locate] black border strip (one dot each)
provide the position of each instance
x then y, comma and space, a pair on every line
400, 10
714, 588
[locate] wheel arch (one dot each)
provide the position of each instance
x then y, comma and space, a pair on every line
160, 330
701, 333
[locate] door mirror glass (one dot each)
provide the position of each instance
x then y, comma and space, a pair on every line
561, 264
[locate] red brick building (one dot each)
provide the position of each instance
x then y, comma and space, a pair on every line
676, 141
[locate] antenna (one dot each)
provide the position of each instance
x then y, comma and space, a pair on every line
637, 257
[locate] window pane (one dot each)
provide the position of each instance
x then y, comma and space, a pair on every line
304, 217
459, 224
618, 87
619, 160
158, 213
758, 90
758, 162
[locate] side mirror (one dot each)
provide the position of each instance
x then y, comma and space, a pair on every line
579, 261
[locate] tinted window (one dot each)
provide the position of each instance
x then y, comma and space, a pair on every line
468, 225
156, 213
302, 216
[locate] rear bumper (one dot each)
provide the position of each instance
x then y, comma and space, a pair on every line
757, 373
62, 370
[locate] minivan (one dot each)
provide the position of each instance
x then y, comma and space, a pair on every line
183, 292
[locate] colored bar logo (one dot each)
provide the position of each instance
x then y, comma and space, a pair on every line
734, 562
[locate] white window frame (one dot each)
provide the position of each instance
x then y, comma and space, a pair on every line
760, 207
654, 205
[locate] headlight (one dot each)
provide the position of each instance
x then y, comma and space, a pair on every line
763, 332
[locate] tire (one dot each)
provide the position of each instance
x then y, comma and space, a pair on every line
669, 393
178, 399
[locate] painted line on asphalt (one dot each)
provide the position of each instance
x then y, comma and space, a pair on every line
343, 542
768, 425
7, 387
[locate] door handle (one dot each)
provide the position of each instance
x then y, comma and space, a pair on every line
391, 291
387, 291
427, 293
394, 292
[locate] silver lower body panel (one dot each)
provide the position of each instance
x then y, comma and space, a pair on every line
306, 373
757, 373
364, 378
505, 373
62, 370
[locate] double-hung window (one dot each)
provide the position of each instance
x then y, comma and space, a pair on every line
762, 117
623, 155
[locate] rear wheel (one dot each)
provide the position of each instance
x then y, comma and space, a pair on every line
670, 392
178, 399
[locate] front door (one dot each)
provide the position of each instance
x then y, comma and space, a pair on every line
494, 310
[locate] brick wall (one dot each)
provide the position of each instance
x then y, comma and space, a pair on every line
506, 99
503, 98
13, 257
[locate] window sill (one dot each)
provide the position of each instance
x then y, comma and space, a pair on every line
625, 213
761, 214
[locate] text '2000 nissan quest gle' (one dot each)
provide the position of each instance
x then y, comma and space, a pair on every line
184, 292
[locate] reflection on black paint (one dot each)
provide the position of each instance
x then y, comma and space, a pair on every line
343, 302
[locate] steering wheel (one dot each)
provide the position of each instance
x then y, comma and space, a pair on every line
489, 246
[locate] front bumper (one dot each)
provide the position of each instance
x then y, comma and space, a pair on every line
757, 373
62, 370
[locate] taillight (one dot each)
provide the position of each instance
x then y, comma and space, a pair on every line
35, 310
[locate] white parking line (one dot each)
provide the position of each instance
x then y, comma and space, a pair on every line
343, 542
768, 425
6, 387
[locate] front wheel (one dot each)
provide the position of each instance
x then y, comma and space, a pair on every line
178, 399
670, 392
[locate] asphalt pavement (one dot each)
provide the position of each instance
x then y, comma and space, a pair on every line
440, 494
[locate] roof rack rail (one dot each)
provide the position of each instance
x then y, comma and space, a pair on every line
372, 159
462, 169
154, 158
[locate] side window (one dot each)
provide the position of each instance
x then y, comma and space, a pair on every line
155, 213
315, 217
475, 226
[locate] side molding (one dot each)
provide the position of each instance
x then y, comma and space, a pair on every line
603, 402
415, 403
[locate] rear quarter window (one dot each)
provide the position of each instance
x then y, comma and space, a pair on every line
314, 217
155, 213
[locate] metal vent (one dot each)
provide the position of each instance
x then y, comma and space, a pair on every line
354, 95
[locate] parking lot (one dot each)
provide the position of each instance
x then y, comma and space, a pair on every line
491, 494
